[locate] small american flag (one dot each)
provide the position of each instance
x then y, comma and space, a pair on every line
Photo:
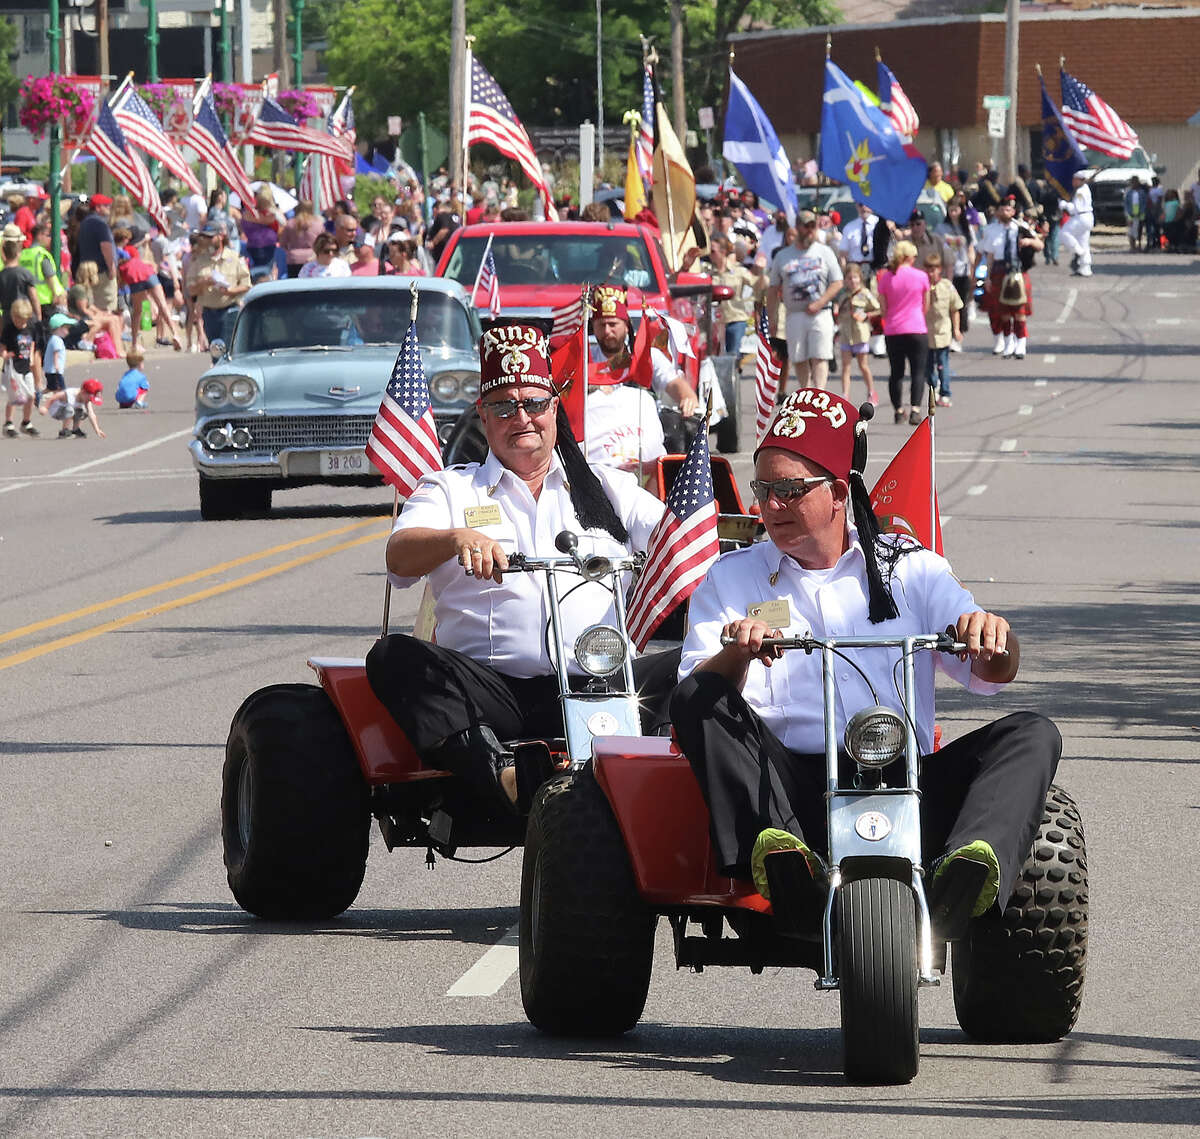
207, 138
404, 443
766, 377
645, 139
142, 128
489, 284
566, 318
275, 127
681, 548
491, 119
895, 103
107, 142
1092, 121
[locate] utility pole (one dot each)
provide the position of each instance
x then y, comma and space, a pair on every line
224, 45
678, 104
298, 42
53, 38
599, 90
1012, 33
458, 84
280, 51
102, 37
151, 40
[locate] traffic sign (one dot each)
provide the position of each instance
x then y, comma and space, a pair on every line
996, 102
997, 117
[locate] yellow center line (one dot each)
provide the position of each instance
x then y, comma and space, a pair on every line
187, 579
179, 602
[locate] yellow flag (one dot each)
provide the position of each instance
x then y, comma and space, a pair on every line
635, 191
674, 192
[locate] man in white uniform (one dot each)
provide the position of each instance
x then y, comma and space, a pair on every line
750, 719
806, 276
490, 676
1076, 231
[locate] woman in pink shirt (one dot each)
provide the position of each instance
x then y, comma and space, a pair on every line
904, 300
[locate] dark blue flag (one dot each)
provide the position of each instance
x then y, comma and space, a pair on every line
1060, 152
860, 147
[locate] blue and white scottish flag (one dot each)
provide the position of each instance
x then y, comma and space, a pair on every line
860, 147
752, 145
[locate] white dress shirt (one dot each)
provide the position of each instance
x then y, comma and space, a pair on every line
831, 603
507, 625
623, 426
851, 245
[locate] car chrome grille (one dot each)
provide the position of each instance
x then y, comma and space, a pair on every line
274, 433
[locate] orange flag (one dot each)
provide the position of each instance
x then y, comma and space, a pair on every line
566, 366
641, 366
902, 496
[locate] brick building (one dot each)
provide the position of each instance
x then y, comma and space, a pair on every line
1141, 61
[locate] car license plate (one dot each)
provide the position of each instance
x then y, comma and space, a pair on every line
344, 463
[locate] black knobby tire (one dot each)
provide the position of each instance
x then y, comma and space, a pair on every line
586, 936
877, 973
1018, 976
294, 808
466, 442
225, 499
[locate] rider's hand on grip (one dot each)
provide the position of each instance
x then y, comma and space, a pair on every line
744, 640
481, 556
984, 634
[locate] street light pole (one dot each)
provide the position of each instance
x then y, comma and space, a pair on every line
1012, 32
151, 40
53, 38
599, 88
226, 51
298, 49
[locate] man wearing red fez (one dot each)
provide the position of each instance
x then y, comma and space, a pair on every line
490, 676
750, 721
611, 326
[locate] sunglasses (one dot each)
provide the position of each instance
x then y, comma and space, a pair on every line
786, 491
507, 408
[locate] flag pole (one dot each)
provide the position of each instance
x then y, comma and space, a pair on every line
466, 144
933, 511
478, 276
387, 582
586, 299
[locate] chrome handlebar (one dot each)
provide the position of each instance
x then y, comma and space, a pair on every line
939, 642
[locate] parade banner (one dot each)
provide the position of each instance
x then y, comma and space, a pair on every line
241, 122
75, 134
177, 109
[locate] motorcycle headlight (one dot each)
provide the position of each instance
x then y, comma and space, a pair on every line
212, 393
445, 385
242, 391
600, 650
875, 737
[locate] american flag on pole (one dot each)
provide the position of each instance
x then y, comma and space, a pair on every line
275, 127
566, 318
321, 182
489, 283
895, 104
766, 376
1092, 121
404, 444
142, 128
107, 142
681, 548
491, 119
645, 139
207, 138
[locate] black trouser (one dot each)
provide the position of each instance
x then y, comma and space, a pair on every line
434, 693
678, 432
965, 287
991, 784
909, 348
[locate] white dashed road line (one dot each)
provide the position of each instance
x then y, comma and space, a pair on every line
1049, 359
1040, 383
1008, 445
1169, 320
978, 489
1025, 409
1072, 297
487, 976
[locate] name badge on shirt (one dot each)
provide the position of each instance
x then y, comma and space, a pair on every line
477, 516
777, 613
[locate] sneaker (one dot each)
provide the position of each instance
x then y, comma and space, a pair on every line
65, 433
1074, 262
1010, 345
998, 347
773, 841
914, 417
28, 428
79, 433
965, 885
901, 415
944, 401
10, 429
1086, 271
873, 399
1019, 350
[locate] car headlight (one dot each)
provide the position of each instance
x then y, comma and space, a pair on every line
212, 393
242, 391
600, 650
875, 737
470, 386
217, 438
445, 385
240, 438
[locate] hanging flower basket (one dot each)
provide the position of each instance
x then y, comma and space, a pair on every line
299, 104
171, 104
48, 100
228, 100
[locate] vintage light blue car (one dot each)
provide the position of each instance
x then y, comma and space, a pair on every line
292, 400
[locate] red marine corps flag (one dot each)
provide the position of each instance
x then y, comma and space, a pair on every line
681, 548
404, 444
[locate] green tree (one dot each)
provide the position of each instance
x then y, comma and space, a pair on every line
9, 83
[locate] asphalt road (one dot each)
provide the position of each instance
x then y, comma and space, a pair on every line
138, 1000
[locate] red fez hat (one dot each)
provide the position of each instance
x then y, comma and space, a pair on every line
513, 354
610, 300
817, 425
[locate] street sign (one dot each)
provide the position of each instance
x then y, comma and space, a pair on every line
997, 117
707, 119
996, 102
393, 125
